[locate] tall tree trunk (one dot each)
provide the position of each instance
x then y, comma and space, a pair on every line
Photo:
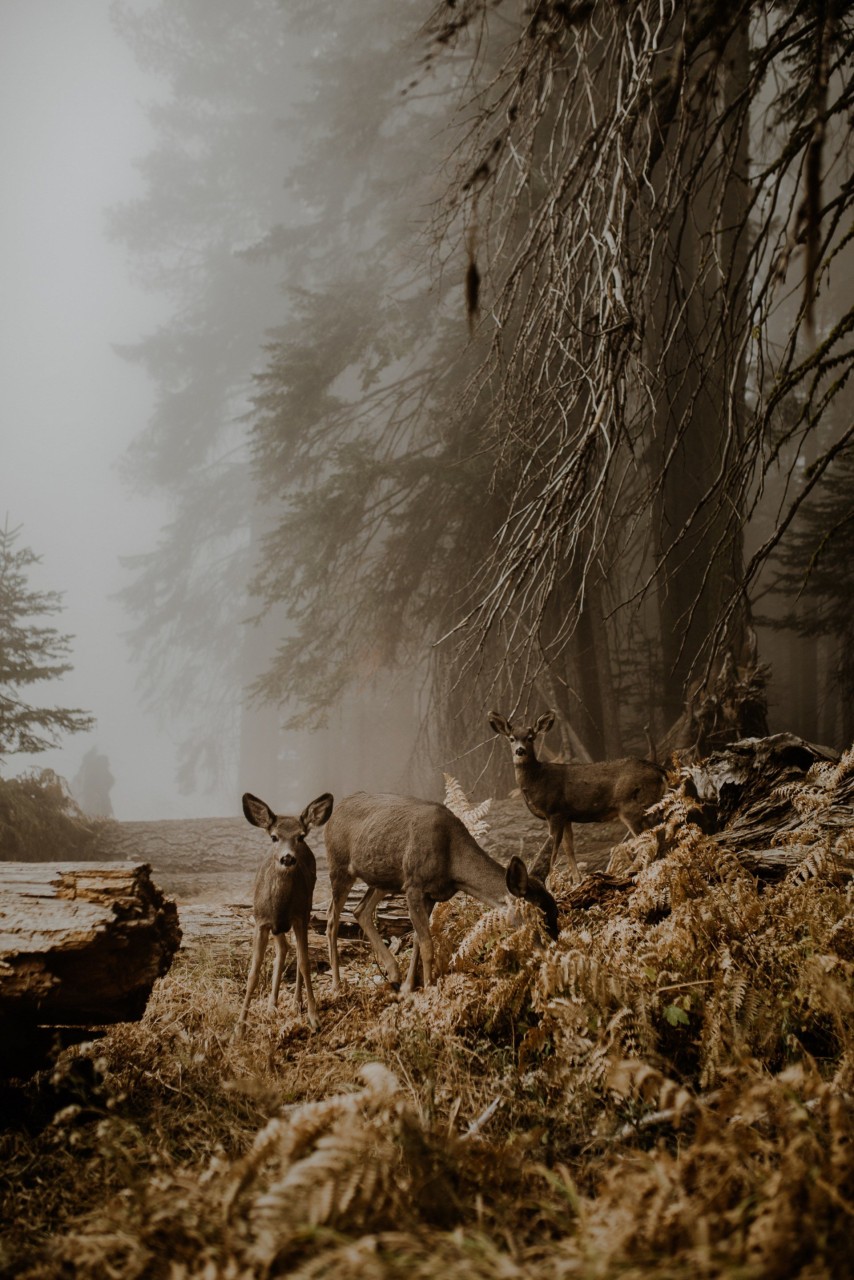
700, 412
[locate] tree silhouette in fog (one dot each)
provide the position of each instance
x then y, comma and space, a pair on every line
213, 190
526, 320
30, 654
92, 784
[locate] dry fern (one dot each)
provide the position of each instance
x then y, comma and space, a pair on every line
473, 817
519, 1118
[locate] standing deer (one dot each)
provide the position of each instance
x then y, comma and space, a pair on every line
284, 885
561, 794
398, 844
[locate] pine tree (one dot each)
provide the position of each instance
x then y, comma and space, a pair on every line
30, 653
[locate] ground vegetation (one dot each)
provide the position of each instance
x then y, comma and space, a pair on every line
666, 1090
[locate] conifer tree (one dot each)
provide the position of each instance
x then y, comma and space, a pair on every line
30, 654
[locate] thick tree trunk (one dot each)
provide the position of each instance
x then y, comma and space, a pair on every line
700, 414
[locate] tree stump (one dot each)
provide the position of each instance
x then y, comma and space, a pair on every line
81, 945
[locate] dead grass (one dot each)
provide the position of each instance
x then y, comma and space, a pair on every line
666, 1091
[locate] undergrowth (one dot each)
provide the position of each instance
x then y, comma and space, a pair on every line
665, 1091
38, 817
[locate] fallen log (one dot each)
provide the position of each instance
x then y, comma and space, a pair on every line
391, 915
81, 945
777, 803
184, 844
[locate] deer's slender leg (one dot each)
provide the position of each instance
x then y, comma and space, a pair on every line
420, 907
409, 983
304, 971
280, 944
259, 946
333, 915
569, 850
409, 980
557, 826
364, 913
542, 864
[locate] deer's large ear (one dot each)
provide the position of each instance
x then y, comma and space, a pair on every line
499, 724
517, 877
545, 722
316, 813
257, 812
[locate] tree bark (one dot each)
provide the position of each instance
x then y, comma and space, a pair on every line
81, 944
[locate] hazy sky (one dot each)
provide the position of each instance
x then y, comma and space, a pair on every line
71, 124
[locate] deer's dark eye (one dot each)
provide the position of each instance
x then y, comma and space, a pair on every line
275, 839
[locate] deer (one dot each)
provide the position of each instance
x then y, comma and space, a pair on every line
561, 794
400, 844
284, 887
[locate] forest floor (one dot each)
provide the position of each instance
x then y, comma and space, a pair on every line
665, 1091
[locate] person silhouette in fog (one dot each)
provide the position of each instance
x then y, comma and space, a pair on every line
92, 784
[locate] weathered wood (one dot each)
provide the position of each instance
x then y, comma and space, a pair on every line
392, 916
771, 801
81, 943
751, 796
197, 844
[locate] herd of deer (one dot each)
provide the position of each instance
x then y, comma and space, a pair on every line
419, 848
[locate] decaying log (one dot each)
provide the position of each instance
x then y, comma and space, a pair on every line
197, 844
392, 916
727, 704
772, 801
748, 794
81, 944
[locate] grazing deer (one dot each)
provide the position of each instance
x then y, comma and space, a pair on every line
561, 794
284, 885
398, 844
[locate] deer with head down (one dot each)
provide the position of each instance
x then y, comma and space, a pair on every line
398, 844
284, 887
561, 794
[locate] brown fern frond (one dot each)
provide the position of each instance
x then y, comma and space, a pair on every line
488, 929
472, 816
632, 1077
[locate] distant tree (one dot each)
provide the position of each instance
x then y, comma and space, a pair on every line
378, 495
813, 583
30, 653
213, 189
356, 474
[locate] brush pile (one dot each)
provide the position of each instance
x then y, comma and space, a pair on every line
667, 1090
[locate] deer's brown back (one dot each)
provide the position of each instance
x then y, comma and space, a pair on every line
396, 842
590, 792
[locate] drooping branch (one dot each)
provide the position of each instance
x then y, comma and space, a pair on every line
638, 193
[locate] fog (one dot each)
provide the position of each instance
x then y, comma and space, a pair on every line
272, 180
71, 125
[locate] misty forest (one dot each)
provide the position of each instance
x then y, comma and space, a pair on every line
498, 435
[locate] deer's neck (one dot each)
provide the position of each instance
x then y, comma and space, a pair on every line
476, 873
